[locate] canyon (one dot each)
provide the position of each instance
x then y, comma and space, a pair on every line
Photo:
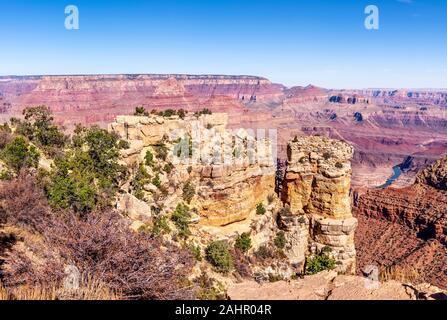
400, 225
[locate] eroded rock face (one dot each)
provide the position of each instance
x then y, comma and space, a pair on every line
414, 218
316, 189
231, 170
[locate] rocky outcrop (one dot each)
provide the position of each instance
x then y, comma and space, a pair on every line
330, 286
316, 193
231, 170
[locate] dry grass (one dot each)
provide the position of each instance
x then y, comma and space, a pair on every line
90, 290
400, 274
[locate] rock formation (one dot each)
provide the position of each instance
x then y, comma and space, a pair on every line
330, 286
316, 191
231, 170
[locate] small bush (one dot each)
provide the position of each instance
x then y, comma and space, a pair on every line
218, 254
189, 191
168, 168
270, 198
140, 111
140, 179
318, 263
196, 251
243, 242
339, 165
264, 253
5, 175
19, 154
149, 158
260, 209
181, 218
161, 151
327, 155
209, 289
161, 226
156, 181
280, 240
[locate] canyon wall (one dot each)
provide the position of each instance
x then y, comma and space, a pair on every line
417, 221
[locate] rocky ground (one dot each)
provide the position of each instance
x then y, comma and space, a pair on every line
330, 286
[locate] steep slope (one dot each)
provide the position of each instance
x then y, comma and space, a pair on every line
406, 227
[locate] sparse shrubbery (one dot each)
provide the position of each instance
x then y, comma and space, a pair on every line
160, 226
87, 175
181, 218
140, 179
141, 111
19, 154
327, 156
264, 253
39, 128
318, 263
243, 242
280, 240
156, 181
339, 165
161, 151
100, 245
168, 168
189, 191
149, 158
218, 254
260, 209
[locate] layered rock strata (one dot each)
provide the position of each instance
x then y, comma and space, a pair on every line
316, 191
232, 170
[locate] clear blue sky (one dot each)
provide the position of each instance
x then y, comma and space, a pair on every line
322, 42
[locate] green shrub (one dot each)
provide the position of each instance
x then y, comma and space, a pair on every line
260, 209
196, 251
210, 289
181, 113
161, 226
264, 253
280, 240
181, 218
19, 154
318, 263
161, 151
243, 242
140, 179
189, 191
140, 111
149, 158
87, 175
5, 175
218, 254
156, 181
168, 168
327, 155
39, 128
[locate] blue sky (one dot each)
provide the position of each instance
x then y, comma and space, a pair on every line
322, 42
